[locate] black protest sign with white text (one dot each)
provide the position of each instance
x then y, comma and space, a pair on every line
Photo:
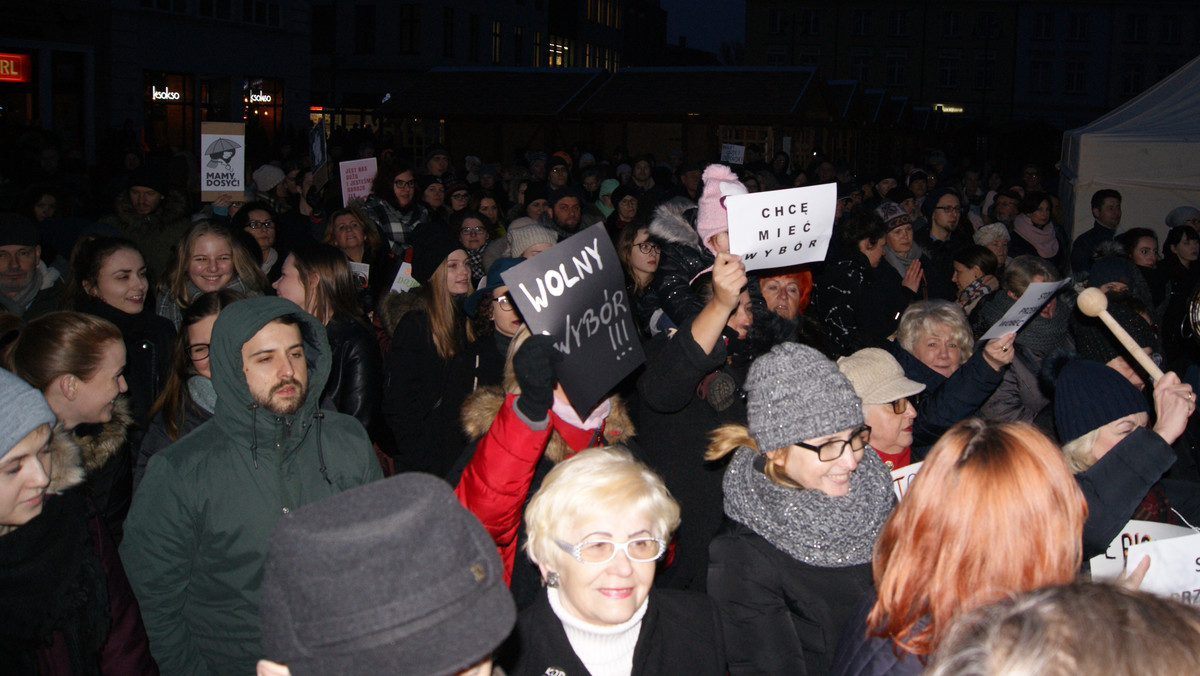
575, 292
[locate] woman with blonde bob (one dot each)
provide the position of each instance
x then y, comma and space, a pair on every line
597, 528
969, 531
208, 259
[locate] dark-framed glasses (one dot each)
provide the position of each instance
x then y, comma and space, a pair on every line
900, 405
599, 552
404, 184
949, 209
471, 231
261, 225
198, 352
504, 302
833, 449
647, 247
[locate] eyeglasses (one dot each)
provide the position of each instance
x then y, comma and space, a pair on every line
459, 196
900, 405
599, 552
404, 184
558, 170
949, 209
236, 205
504, 302
471, 231
198, 352
261, 225
647, 247
833, 449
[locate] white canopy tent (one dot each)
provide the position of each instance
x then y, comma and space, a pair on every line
1148, 149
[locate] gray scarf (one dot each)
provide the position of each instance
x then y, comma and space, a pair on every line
19, 303
901, 261
203, 393
1040, 336
815, 528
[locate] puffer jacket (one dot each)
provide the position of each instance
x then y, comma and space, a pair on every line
683, 257
196, 536
157, 233
356, 377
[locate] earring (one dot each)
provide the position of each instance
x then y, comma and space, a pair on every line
551, 580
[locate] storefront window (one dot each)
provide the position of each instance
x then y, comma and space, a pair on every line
263, 100
170, 104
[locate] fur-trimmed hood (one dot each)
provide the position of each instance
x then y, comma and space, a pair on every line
395, 305
672, 224
481, 408
74, 456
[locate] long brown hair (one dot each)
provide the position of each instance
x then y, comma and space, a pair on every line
59, 344
993, 511
244, 266
443, 312
87, 258
371, 239
328, 285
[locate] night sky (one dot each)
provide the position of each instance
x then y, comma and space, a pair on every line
706, 23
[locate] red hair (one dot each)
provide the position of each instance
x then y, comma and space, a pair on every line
802, 276
993, 511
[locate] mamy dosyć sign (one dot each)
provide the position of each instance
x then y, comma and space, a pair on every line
575, 292
778, 228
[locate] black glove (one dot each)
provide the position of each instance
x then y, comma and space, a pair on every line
533, 365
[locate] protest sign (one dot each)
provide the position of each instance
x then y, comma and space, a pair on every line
223, 145
778, 228
357, 176
1028, 305
404, 282
732, 154
575, 292
360, 273
1108, 566
1174, 567
316, 154
902, 478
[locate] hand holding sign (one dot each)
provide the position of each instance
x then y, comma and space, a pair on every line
999, 352
1036, 295
729, 278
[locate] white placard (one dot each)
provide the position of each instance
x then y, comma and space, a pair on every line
223, 167
404, 281
357, 176
1028, 305
782, 227
1109, 565
902, 478
1174, 571
732, 154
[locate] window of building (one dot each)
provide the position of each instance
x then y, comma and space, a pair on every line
538, 61
262, 12
1135, 28
215, 9
1170, 30
988, 25
326, 18
364, 29
1133, 77
1078, 29
777, 56
1039, 77
896, 64
560, 52
775, 21
808, 56
898, 23
496, 57
408, 34
448, 31
860, 64
985, 70
1043, 26
951, 24
948, 60
178, 6
473, 38
1076, 82
518, 46
861, 22
809, 22
591, 10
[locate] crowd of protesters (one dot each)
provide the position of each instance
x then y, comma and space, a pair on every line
204, 399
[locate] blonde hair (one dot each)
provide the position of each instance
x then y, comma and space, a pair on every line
727, 438
593, 483
444, 315
1078, 452
928, 317
244, 267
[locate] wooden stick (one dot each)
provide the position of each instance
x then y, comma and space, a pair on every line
1093, 303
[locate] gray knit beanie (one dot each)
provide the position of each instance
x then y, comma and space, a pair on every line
795, 393
23, 407
525, 236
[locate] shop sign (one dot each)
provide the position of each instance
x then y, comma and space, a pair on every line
164, 94
14, 68
260, 97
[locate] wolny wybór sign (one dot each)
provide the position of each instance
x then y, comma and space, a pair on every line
575, 292
779, 228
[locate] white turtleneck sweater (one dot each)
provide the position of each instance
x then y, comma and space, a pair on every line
604, 650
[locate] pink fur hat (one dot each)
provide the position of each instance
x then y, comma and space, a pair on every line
711, 217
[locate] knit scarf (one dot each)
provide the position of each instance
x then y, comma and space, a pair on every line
1040, 335
1042, 239
21, 301
815, 528
52, 581
977, 289
901, 261
203, 393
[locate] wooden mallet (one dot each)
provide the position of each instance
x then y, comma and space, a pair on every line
1093, 303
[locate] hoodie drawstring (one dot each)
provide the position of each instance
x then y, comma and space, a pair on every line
321, 452
254, 433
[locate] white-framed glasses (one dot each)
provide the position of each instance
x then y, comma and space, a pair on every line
599, 552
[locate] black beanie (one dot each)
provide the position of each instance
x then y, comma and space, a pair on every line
432, 243
146, 177
1088, 395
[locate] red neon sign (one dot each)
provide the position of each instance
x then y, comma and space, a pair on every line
14, 68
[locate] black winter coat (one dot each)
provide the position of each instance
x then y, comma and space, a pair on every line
779, 615
680, 392
680, 634
861, 655
156, 437
859, 306
356, 377
683, 257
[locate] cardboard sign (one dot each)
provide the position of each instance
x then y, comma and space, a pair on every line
902, 478
404, 282
316, 154
223, 167
360, 273
1028, 305
732, 154
575, 292
778, 228
1174, 567
357, 176
1109, 565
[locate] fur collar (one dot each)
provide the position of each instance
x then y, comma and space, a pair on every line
395, 305
671, 225
100, 442
481, 407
